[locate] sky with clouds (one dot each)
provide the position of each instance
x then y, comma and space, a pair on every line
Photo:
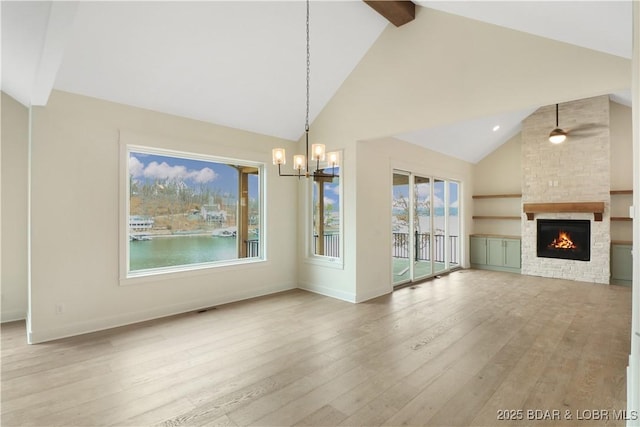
145, 167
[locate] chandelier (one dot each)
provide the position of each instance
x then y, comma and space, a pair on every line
301, 161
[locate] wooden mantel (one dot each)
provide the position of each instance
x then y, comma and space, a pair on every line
597, 208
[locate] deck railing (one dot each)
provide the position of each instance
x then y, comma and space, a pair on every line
331, 245
253, 248
422, 242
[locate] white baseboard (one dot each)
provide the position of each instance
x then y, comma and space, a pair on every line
12, 316
345, 296
94, 325
328, 292
373, 293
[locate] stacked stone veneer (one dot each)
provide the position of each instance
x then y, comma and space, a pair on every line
577, 170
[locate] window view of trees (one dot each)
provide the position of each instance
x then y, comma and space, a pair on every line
326, 215
185, 210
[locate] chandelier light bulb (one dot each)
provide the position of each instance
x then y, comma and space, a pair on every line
279, 157
333, 158
298, 162
318, 151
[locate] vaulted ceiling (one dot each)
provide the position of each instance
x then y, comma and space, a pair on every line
242, 64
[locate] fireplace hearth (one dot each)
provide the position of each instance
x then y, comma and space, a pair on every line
564, 239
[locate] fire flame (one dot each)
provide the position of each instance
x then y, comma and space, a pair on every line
563, 241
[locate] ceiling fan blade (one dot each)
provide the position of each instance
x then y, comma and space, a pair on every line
583, 133
587, 129
589, 126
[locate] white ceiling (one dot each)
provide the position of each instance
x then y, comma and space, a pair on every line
242, 63
474, 139
599, 25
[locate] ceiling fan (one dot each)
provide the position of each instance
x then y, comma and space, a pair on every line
559, 135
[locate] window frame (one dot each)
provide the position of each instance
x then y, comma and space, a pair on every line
449, 266
126, 275
313, 258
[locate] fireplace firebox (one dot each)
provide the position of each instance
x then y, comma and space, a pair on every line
564, 238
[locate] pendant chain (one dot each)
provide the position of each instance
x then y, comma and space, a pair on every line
306, 123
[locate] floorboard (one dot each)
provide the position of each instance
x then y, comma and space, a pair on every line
458, 350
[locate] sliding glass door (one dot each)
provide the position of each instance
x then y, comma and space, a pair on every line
421, 211
400, 224
425, 227
453, 224
440, 226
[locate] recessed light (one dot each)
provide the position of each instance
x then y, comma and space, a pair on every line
496, 127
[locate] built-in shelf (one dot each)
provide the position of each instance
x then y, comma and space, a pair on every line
597, 208
497, 196
495, 217
515, 196
621, 192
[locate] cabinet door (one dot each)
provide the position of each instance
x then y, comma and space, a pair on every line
478, 250
621, 262
495, 252
512, 253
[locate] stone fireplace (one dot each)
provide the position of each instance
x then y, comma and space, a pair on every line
574, 173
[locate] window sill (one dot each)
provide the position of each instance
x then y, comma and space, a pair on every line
336, 263
146, 276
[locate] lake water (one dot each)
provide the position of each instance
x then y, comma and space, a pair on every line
180, 250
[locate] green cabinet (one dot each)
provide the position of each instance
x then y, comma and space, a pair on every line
512, 253
621, 264
478, 250
495, 253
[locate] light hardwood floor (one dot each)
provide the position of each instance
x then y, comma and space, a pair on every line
451, 351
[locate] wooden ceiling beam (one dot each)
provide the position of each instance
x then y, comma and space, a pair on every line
398, 12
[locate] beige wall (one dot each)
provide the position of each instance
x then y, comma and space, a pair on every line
501, 173
441, 68
378, 159
438, 69
621, 147
76, 218
621, 170
15, 142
